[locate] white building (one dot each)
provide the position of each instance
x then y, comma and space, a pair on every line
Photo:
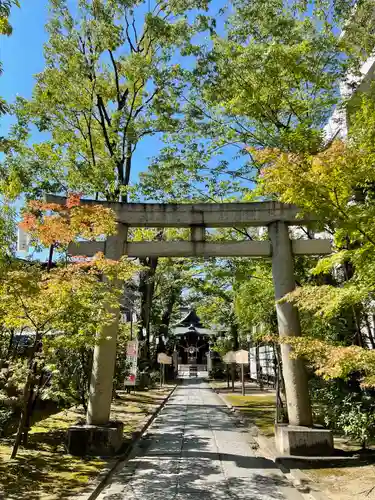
354, 84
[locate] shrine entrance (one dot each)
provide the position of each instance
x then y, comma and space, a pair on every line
279, 247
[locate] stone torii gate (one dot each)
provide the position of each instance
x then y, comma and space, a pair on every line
274, 215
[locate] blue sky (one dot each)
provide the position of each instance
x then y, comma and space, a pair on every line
22, 53
22, 57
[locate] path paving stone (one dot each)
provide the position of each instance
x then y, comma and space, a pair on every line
194, 451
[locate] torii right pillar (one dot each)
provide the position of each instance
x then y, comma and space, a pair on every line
299, 437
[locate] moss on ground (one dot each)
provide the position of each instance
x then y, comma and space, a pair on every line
44, 471
259, 410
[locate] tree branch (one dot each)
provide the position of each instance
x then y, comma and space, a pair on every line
104, 128
117, 80
130, 42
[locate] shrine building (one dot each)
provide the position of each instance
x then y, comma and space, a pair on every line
192, 346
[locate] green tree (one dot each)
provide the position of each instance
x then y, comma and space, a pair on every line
63, 307
108, 83
337, 185
255, 298
5, 29
269, 78
336, 297
5, 9
7, 213
8, 234
172, 277
212, 293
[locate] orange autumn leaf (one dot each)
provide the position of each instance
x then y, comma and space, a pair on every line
59, 225
73, 200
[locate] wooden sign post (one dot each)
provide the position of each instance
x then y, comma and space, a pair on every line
163, 360
242, 358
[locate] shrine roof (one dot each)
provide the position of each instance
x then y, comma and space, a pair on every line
190, 324
191, 318
191, 330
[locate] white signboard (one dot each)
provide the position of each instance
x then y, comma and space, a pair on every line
132, 359
163, 359
23, 240
253, 363
229, 357
242, 357
266, 361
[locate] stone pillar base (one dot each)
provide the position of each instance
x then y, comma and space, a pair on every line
303, 441
95, 440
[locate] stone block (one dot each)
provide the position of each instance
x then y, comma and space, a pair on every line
95, 440
303, 441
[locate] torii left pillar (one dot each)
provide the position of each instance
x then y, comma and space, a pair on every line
100, 436
103, 367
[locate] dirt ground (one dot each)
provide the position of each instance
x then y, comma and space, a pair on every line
345, 483
351, 478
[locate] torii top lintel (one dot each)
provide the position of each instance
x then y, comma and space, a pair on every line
200, 214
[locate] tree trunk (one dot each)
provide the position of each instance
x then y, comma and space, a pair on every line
32, 398
259, 368
234, 335
166, 318
10, 353
146, 289
281, 409
27, 393
128, 165
357, 319
357, 335
86, 368
233, 374
235, 345
22, 422
50, 258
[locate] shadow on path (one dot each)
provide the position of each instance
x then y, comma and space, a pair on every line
194, 451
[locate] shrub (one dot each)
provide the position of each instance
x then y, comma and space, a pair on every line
218, 373
155, 377
6, 417
356, 417
345, 408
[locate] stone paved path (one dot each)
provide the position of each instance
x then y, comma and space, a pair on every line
192, 451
